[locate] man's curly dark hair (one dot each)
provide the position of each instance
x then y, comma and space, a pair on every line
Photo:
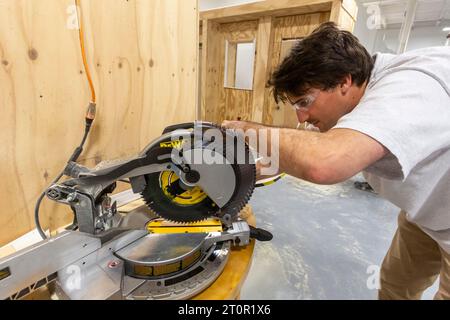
322, 60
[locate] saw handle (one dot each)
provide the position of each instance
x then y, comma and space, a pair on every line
260, 234
189, 125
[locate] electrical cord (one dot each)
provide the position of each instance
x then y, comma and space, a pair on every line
37, 207
83, 51
268, 182
89, 119
76, 154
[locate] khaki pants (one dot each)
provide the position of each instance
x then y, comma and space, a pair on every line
412, 264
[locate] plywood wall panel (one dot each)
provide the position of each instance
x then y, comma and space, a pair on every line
238, 104
234, 103
212, 53
143, 58
263, 53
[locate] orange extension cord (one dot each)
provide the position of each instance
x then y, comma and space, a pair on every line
90, 116
83, 51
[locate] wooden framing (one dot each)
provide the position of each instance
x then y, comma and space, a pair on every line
256, 105
274, 8
344, 13
287, 28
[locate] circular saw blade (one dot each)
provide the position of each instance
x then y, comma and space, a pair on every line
173, 203
172, 200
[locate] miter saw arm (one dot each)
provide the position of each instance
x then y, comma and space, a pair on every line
170, 177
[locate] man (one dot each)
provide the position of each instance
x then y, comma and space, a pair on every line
388, 116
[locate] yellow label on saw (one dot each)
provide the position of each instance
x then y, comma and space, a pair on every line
166, 269
187, 262
144, 271
162, 226
177, 144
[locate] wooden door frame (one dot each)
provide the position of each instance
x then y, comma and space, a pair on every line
343, 12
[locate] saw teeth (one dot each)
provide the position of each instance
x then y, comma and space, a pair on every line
176, 222
245, 184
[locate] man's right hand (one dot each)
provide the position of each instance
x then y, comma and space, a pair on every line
259, 176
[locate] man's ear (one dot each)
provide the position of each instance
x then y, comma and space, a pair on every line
346, 84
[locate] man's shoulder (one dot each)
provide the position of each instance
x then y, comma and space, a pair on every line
432, 63
389, 59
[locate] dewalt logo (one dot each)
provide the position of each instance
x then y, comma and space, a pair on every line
178, 144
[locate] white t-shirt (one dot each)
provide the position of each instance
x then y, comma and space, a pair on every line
406, 108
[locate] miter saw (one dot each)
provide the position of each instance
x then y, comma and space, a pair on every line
195, 179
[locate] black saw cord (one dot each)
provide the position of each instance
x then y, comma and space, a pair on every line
90, 116
76, 154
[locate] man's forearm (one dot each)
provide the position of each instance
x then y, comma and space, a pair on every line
298, 152
311, 156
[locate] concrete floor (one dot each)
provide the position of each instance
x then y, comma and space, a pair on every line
328, 242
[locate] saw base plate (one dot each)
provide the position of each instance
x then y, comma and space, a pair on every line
171, 262
185, 284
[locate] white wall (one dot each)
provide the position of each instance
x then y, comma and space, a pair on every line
214, 4
426, 37
245, 62
364, 30
387, 39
